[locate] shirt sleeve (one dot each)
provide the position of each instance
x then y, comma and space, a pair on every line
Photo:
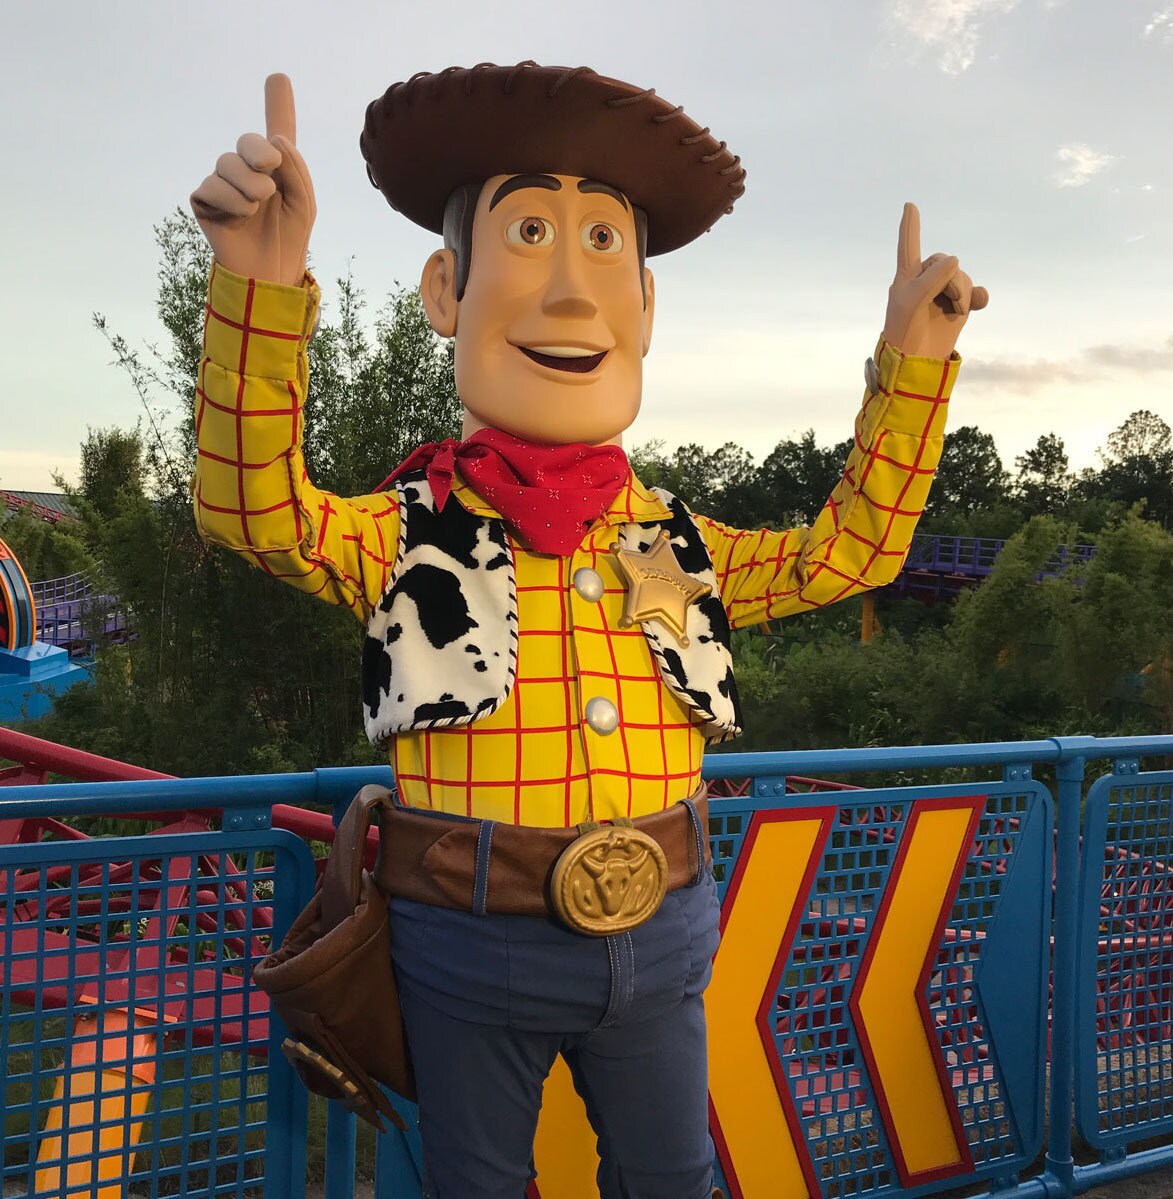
250, 488
862, 536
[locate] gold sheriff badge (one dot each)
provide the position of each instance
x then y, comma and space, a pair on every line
657, 587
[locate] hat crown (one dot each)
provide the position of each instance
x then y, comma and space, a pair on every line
435, 132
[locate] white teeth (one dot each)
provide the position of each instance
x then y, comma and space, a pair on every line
563, 351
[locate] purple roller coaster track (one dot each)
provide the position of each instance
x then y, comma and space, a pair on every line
941, 567
75, 615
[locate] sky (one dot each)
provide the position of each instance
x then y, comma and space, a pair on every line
1033, 135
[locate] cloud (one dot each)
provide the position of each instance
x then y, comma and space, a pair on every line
951, 28
1091, 366
1078, 162
1161, 25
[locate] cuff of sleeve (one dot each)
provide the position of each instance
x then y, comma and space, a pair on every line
918, 389
258, 328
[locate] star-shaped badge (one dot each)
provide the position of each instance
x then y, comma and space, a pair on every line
657, 587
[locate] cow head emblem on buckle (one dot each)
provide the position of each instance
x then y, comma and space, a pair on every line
608, 880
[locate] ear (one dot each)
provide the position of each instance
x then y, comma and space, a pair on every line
438, 292
649, 308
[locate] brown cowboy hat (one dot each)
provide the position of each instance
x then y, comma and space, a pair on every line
436, 132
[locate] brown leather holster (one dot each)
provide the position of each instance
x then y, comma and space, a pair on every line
332, 984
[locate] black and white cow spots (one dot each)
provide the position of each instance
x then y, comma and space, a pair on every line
422, 665
702, 673
441, 647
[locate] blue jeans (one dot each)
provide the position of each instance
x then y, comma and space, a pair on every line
490, 1001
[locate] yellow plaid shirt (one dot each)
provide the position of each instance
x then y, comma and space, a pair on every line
535, 760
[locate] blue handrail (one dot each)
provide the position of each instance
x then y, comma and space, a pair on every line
1008, 871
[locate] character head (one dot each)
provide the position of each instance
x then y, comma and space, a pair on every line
556, 180
555, 315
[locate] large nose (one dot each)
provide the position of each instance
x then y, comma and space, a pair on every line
568, 292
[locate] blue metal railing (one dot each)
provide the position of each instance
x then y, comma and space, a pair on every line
157, 927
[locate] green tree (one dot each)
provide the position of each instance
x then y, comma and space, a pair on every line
970, 477
375, 396
1136, 468
44, 550
1116, 651
230, 671
1029, 653
714, 482
796, 478
1043, 483
113, 466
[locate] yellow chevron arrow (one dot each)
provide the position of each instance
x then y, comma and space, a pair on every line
749, 1098
889, 1003
761, 912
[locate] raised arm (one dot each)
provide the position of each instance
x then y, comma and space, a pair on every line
250, 489
862, 535
257, 207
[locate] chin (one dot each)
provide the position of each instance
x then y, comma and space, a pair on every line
545, 427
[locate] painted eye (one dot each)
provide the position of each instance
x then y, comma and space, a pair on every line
603, 238
531, 231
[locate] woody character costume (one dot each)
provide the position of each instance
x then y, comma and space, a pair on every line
547, 646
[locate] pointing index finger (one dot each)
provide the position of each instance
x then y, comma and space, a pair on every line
280, 117
908, 262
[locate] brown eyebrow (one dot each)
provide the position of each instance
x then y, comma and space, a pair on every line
520, 181
593, 185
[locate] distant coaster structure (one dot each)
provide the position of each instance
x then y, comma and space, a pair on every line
940, 567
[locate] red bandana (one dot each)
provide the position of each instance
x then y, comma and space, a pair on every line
548, 494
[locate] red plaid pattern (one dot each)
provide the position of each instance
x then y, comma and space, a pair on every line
535, 761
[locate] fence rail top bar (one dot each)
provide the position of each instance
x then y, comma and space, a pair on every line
927, 757
317, 787
337, 784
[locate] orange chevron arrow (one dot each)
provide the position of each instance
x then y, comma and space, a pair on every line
751, 1111
890, 1004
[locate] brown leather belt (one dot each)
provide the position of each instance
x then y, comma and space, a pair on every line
432, 858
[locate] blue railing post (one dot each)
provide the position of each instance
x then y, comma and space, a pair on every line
1060, 1164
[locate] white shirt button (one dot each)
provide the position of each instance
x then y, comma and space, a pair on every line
602, 715
589, 584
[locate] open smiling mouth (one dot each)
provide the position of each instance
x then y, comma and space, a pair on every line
560, 358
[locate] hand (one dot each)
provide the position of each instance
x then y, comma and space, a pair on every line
258, 208
930, 301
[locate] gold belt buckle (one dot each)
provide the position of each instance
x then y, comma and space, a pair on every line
609, 879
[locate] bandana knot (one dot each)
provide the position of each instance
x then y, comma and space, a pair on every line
549, 495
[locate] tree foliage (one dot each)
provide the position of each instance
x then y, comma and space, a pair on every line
230, 672
44, 551
1019, 656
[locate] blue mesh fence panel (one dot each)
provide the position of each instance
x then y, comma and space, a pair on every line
125, 1014
124, 967
1124, 1062
818, 1042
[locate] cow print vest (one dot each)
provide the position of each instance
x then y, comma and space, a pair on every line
441, 645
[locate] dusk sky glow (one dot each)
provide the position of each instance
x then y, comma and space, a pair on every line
1033, 135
